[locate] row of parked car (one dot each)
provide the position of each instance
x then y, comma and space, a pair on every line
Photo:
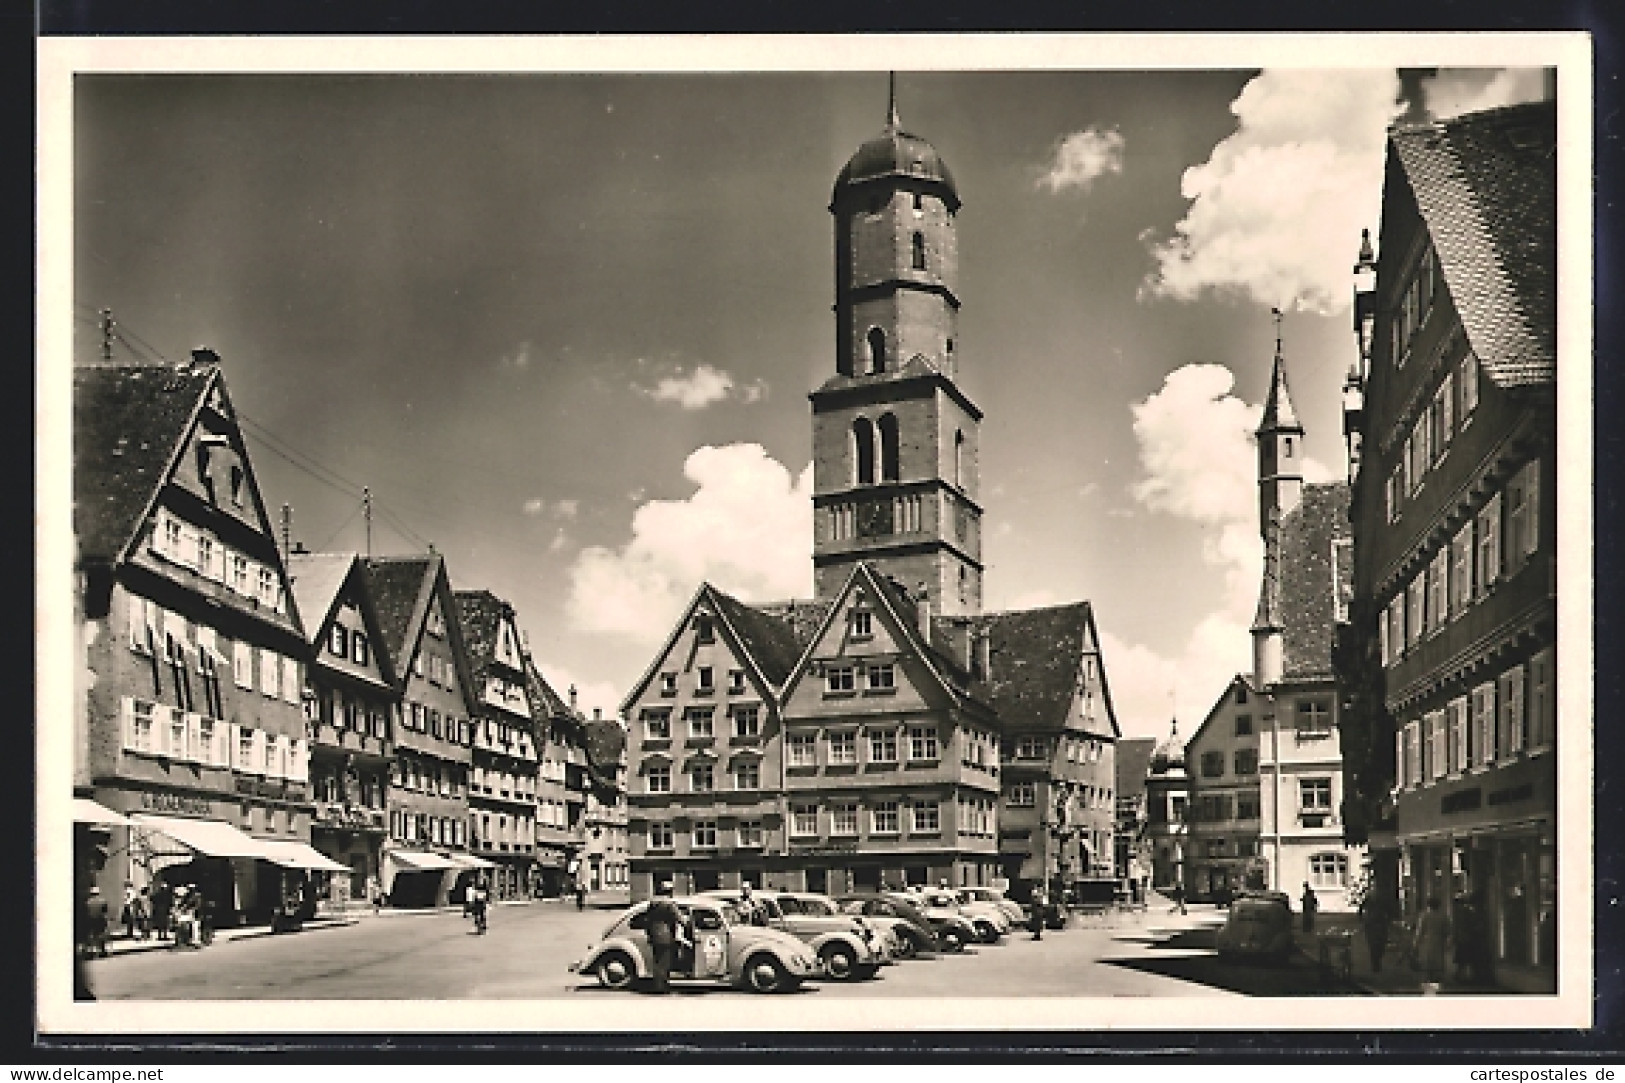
772, 941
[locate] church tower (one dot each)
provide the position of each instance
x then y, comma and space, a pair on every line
1280, 491
895, 440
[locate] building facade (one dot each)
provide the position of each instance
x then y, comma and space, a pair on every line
1167, 813
194, 660
1057, 746
505, 760
560, 802
352, 699
1223, 758
705, 802
425, 854
606, 854
1132, 849
1456, 526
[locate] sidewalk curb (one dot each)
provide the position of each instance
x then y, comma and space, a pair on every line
252, 934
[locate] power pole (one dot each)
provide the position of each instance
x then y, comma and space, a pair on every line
366, 514
287, 531
107, 334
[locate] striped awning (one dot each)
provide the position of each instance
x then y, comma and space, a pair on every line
86, 811
420, 860
298, 855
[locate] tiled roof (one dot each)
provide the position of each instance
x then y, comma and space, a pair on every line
803, 615
127, 422
1486, 186
317, 579
1034, 658
769, 640
477, 614
1132, 763
399, 588
1307, 581
545, 703
605, 742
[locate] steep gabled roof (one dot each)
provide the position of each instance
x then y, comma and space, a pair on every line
128, 424
479, 613
401, 588
1132, 762
317, 580
606, 740
767, 640
1218, 705
544, 702
1307, 582
1486, 186
1034, 657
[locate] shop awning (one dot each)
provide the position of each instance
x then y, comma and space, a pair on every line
297, 855
469, 861
417, 859
211, 838
86, 811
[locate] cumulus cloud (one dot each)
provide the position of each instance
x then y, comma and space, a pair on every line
744, 529
1082, 157
1196, 448
589, 694
536, 507
533, 507
700, 387
1450, 92
1276, 211
566, 509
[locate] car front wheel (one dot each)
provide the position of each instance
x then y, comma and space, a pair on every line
987, 932
616, 971
906, 948
953, 939
840, 962
765, 974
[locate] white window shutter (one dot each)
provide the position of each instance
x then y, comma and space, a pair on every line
268, 672
1531, 500
290, 680
194, 749
257, 757
127, 714
242, 664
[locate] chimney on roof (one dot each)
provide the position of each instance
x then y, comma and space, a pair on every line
572, 697
204, 355
922, 607
597, 714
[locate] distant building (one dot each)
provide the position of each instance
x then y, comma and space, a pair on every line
1452, 651
503, 783
1223, 756
1131, 848
426, 858
194, 661
1167, 812
606, 855
560, 801
352, 701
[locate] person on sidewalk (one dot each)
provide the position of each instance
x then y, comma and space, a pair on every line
1040, 912
1311, 903
1179, 897
660, 924
96, 913
1375, 918
1432, 945
581, 894
163, 900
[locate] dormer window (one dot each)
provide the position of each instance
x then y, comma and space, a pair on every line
338, 641
704, 631
862, 624
358, 649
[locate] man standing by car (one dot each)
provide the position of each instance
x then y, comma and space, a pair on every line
660, 923
1311, 903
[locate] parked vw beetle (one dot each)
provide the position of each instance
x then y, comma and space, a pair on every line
889, 931
1012, 910
727, 951
990, 922
912, 927
954, 930
847, 949
1259, 926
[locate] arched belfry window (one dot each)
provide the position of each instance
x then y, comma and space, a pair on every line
877, 350
919, 251
888, 447
863, 451
959, 458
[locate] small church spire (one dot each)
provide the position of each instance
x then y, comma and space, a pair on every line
892, 122
1278, 412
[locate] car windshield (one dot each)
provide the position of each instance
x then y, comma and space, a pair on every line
730, 916
822, 908
789, 905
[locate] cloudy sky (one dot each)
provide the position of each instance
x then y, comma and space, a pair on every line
563, 326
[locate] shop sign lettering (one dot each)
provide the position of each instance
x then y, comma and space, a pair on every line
174, 802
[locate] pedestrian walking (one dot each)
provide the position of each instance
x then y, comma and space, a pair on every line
661, 922
581, 894
375, 894
1431, 945
163, 901
1040, 912
1376, 917
96, 914
126, 914
1179, 897
1311, 903
479, 904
